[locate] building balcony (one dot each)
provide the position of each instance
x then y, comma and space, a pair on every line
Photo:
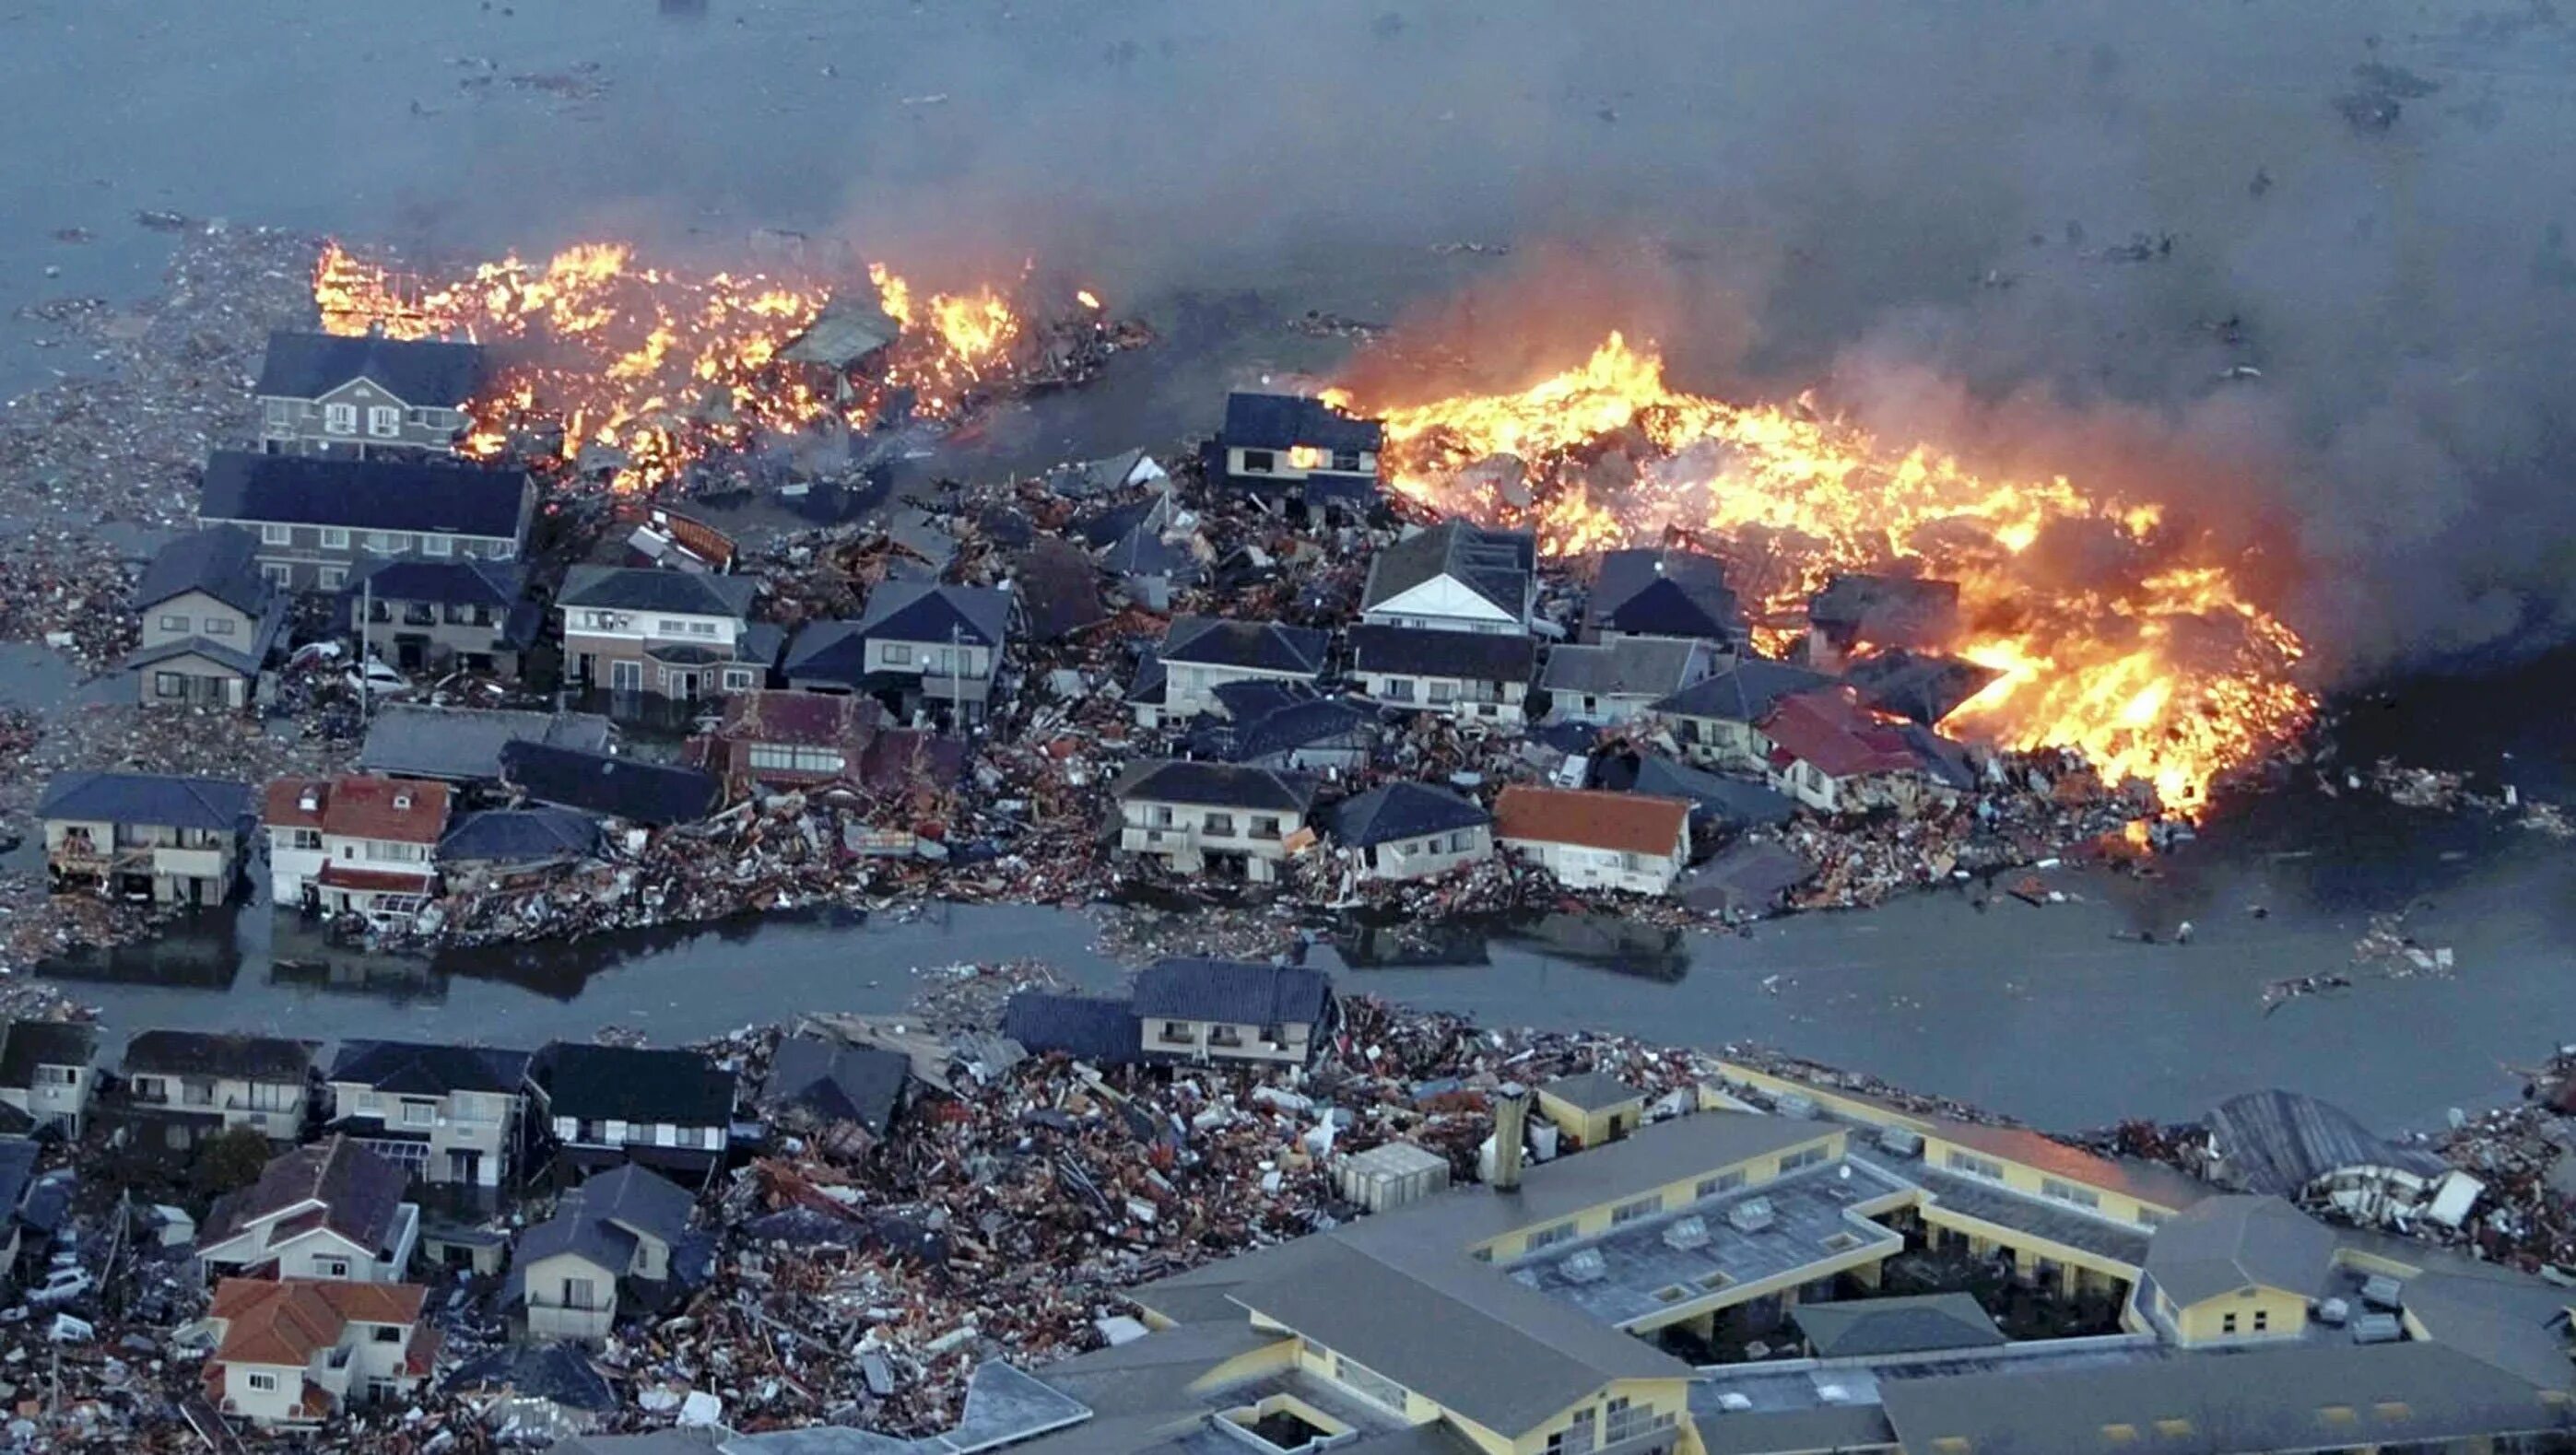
206, 863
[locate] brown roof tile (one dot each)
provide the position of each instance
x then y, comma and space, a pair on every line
1628, 822
402, 809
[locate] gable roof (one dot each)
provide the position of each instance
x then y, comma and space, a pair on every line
1736, 801
418, 496
633, 1084
458, 581
1281, 421
1217, 785
637, 1198
1630, 823
1425, 652
220, 560
647, 588
559, 1374
1670, 592
925, 611
1870, 1327
603, 783
1235, 991
2278, 1142
1289, 726
519, 836
1628, 667
1496, 565
360, 1193
2221, 1244
205, 1053
1101, 1029
1744, 692
596, 1241
1266, 646
427, 1068
826, 651
1915, 685
289, 1320
1402, 810
26, 1045
151, 799
1591, 1091
863, 1084
463, 744
405, 810
1830, 731
424, 373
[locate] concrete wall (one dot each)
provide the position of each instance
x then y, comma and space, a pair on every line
1579, 867
2284, 1315
1419, 859
1591, 1128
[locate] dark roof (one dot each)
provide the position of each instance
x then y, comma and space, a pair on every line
454, 582
632, 1084
636, 1197
600, 1243
1669, 593
1868, 1327
1059, 589
423, 372
2221, 1244
463, 744
1278, 421
1495, 564
1735, 801
239, 662
1096, 1028
1295, 725
148, 798
1421, 651
1592, 1091
557, 1373
1747, 877
359, 1191
602, 783
1744, 692
31, 1044
1236, 991
1402, 810
425, 1069
1627, 667
861, 1084
2278, 1142
519, 836
645, 588
17, 1169
827, 651
205, 1053
1912, 685
372, 494
1118, 522
1219, 785
1892, 611
924, 611
1264, 646
220, 560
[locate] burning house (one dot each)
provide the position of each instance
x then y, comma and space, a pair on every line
1292, 446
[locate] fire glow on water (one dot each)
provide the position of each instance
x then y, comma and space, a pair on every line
2167, 671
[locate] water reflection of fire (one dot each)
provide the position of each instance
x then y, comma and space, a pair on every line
2164, 667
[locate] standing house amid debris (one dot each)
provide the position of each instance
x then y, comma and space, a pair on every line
1591, 1108
293, 1352
1202, 816
918, 645
1666, 592
1289, 725
421, 615
212, 622
1609, 683
603, 1105
320, 520
1594, 840
2238, 1268
1476, 677
674, 635
493, 846
1231, 1010
447, 1115
1835, 756
178, 1087
332, 1210
1199, 654
1295, 446
1405, 830
1716, 720
827, 1081
616, 1229
47, 1073
358, 845
361, 395
1455, 577
145, 835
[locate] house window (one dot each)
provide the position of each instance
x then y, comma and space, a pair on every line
304, 839
386, 1333
899, 653
502, 550
2227, 1324
58, 1076
420, 1113
330, 578
1346, 461
1644, 1207
277, 535
1160, 815
275, 1096
437, 545
169, 684
173, 622
2262, 1320
738, 679
277, 573
2069, 1192
578, 1293
1368, 1383
1723, 1182
340, 418
1796, 1160
1220, 825
331, 1267
2150, 1218
1399, 689
1176, 1030
1259, 462
1550, 1237
1443, 693
1974, 1165
384, 422
264, 1383
1265, 827
380, 542
151, 1088
278, 411
335, 538
217, 626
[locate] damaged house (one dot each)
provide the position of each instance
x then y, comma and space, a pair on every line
604, 1105
1883, 612
1200, 654
1918, 687
333, 1210
2282, 1144
1198, 817
462, 745
1198, 1010
1595, 840
679, 636
145, 836
1293, 447
823, 1083
496, 846
610, 1242
918, 646
1609, 683
1455, 577
447, 1115
47, 1075
359, 395
1717, 720
212, 622
1133, 542
1834, 756
1476, 677
791, 739
608, 786
1406, 830
1288, 725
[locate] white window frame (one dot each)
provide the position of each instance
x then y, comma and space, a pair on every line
263, 1383
437, 545
273, 534
335, 538
340, 418
501, 550
384, 422
331, 578
217, 626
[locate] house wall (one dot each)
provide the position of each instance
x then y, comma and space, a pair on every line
294, 857
292, 426
65, 1102
449, 633
1436, 854
196, 614
1657, 1401
1228, 1041
1469, 700
482, 1122
322, 558
2284, 1314
619, 1136
1827, 1145
1187, 836
551, 1317
194, 681
1721, 743
186, 865
1591, 1127
1189, 688
1600, 710
1444, 603
1579, 867
1299, 463
594, 642
273, 1405
276, 1108
325, 1255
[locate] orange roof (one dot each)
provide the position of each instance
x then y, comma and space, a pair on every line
402, 809
2145, 1181
1628, 822
290, 1320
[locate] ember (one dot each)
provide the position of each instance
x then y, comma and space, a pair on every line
2165, 670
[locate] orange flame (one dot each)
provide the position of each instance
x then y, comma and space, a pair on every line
2170, 674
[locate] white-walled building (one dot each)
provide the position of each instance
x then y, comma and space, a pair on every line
1593, 840
292, 1352
333, 1210
357, 845
1455, 577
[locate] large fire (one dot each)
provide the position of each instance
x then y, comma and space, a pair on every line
2161, 667
651, 369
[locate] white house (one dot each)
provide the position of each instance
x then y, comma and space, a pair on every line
617, 1228
674, 635
1411, 831
1594, 840
1199, 654
1198, 816
45, 1072
178, 1086
1455, 577
293, 1352
1476, 677
445, 1114
357, 845
1292, 444
1609, 683
1232, 1010
333, 1210
365, 394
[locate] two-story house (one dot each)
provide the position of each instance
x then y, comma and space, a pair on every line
1594, 840
440, 616
1476, 677
176, 1087
918, 646
676, 635
1455, 577
1201, 816
358, 845
1232, 1010
1716, 720
1406, 830
1666, 592
1835, 756
145, 835
610, 1241
46, 1075
1612, 682
602, 1105
211, 622
356, 395
1295, 446
332, 1210
294, 1352
318, 520
448, 1115
1199, 654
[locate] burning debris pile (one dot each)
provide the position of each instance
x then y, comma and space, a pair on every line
2164, 668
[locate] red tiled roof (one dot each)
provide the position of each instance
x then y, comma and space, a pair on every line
1829, 729
401, 809
292, 1319
391, 881
1628, 822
